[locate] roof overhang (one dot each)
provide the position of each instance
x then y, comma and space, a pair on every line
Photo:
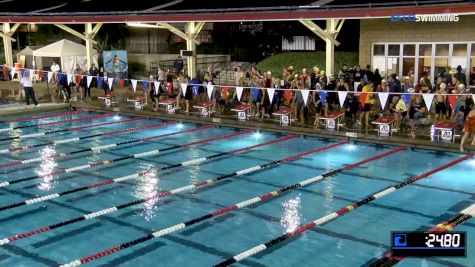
280, 15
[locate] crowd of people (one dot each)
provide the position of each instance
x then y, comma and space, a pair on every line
309, 94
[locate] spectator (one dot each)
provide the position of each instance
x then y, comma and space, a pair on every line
468, 129
238, 76
28, 87
400, 113
161, 75
358, 75
375, 78
55, 67
441, 103
343, 73
383, 87
65, 87
395, 84
460, 75
424, 86
406, 84
368, 105
178, 65
416, 112
323, 79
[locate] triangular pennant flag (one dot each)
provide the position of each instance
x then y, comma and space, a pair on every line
406, 98
22, 72
239, 92
121, 82
134, 84
363, 98
50, 76
342, 97
12, 72
428, 100
145, 85
288, 96
70, 78
32, 73
110, 81
156, 86
209, 89
383, 99
323, 97
305, 93
255, 93
473, 98
270, 92
99, 81
183, 88
89, 80
60, 76
453, 101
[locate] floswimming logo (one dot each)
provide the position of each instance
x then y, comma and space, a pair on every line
425, 18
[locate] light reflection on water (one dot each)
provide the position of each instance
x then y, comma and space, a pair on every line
147, 186
291, 218
47, 165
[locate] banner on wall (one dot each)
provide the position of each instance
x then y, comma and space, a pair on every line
116, 63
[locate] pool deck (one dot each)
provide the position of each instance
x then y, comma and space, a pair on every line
361, 135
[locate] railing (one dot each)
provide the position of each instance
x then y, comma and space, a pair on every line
201, 63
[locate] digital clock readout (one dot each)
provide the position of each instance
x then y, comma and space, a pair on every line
419, 244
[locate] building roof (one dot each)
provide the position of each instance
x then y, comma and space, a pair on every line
79, 11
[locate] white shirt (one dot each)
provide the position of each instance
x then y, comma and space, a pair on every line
26, 82
55, 68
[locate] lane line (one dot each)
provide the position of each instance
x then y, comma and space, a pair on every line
111, 161
336, 214
51, 115
222, 211
139, 174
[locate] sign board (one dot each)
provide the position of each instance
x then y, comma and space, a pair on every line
108, 102
138, 105
204, 112
384, 129
170, 109
284, 120
241, 115
446, 135
330, 124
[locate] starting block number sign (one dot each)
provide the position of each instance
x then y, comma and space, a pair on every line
330, 124
108, 102
284, 120
241, 115
170, 109
384, 129
204, 112
138, 105
446, 135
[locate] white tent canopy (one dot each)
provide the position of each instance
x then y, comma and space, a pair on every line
71, 53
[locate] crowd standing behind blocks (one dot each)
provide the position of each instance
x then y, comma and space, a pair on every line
360, 95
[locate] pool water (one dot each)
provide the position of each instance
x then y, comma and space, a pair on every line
350, 240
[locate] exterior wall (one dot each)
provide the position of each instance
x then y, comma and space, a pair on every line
383, 30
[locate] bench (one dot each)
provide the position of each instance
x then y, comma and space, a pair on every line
444, 130
332, 120
241, 111
385, 124
284, 114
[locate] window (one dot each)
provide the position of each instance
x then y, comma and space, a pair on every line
425, 50
442, 50
393, 50
459, 56
392, 65
409, 50
378, 50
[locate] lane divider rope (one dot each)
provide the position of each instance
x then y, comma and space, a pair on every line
138, 175
53, 122
75, 139
220, 212
98, 149
336, 214
110, 161
75, 128
443, 227
154, 197
51, 115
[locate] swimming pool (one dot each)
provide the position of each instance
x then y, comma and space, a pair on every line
57, 168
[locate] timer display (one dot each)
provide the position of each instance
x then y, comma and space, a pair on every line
420, 244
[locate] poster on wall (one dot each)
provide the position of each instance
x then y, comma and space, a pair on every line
115, 63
